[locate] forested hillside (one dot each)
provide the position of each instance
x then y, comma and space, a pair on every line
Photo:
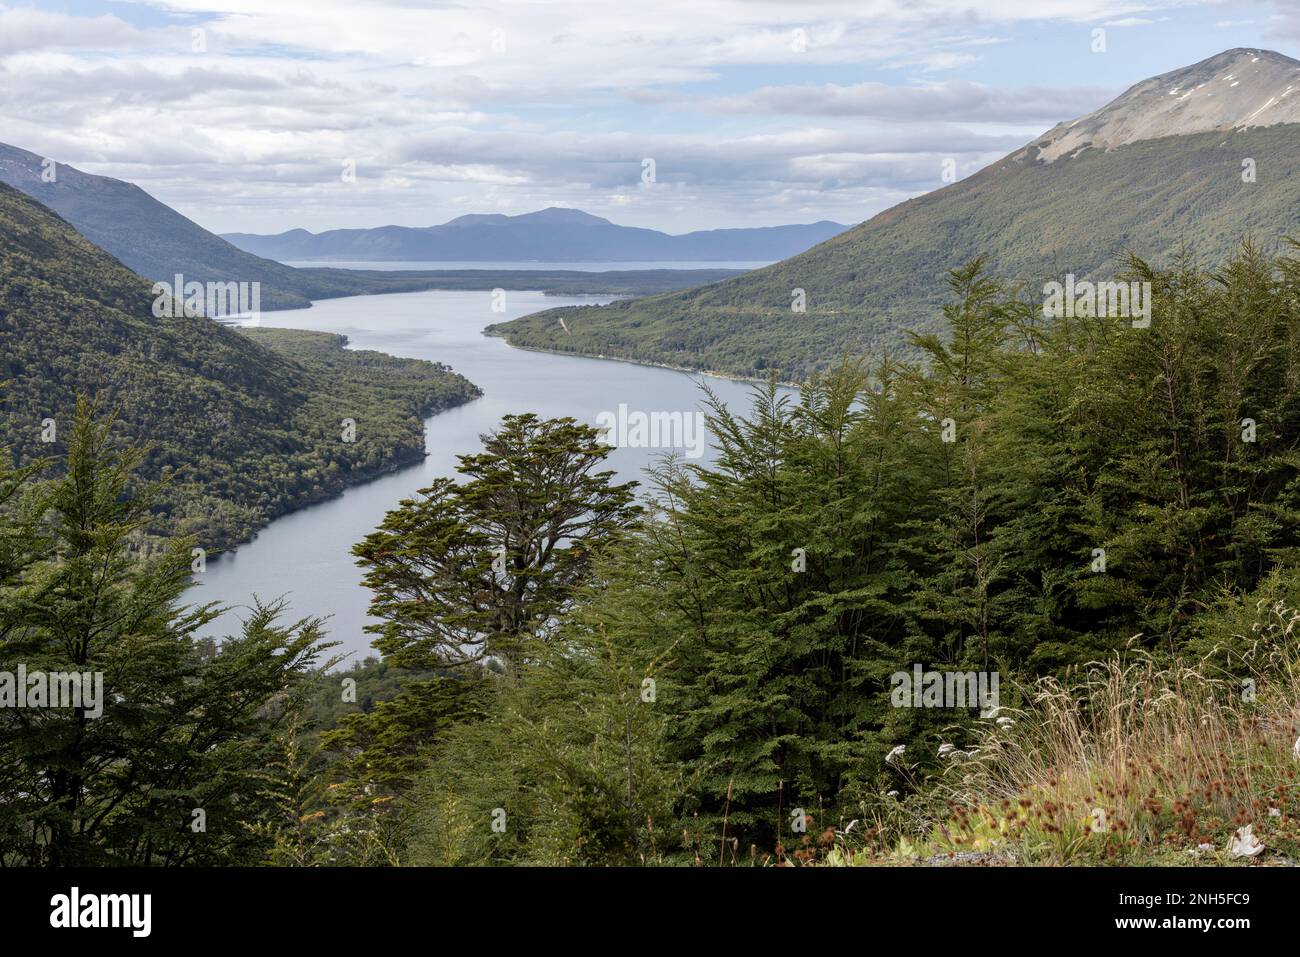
1104, 519
242, 427
1100, 520
1035, 221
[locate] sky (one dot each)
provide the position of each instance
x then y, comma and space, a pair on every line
669, 114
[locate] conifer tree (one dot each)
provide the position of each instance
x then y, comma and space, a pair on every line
161, 767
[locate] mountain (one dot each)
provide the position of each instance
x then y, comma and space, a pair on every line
151, 238
1236, 89
1192, 160
243, 428
158, 243
551, 235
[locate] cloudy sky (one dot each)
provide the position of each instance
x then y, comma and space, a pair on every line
242, 114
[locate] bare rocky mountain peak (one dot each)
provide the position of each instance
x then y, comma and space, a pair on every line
1236, 89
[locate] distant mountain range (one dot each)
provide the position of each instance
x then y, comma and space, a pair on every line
1193, 160
548, 235
157, 242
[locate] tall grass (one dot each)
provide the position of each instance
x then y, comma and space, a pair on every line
1138, 760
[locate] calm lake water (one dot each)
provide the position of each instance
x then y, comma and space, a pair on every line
306, 556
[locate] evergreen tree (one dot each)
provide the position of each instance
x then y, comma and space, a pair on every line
479, 569
162, 767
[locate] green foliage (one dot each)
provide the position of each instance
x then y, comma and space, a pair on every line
483, 568
948, 514
569, 764
243, 427
163, 765
1034, 221
470, 577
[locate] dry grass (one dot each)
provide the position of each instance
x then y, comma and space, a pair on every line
1136, 762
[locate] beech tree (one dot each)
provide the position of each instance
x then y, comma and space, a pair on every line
471, 576
477, 569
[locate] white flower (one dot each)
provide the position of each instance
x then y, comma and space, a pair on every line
1006, 722
1245, 843
895, 752
1274, 812
945, 748
1295, 749
1205, 847
892, 794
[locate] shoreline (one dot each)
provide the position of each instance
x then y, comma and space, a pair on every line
358, 478
730, 376
344, 341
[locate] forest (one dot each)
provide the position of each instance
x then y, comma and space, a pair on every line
240, 425
699, 670
1033, 221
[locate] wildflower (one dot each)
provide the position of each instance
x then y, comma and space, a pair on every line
895, 752
1205, 847
1245, 843
1274, 812
892, 794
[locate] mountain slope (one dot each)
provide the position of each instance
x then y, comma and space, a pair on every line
243, 431
554, 235
1235, 89
1034, 219
158, 242
151, 238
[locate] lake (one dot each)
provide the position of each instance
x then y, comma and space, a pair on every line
306, 556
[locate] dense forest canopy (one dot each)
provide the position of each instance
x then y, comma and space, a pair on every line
1100, 516
243, 425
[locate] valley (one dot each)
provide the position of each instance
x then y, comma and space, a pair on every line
501, 454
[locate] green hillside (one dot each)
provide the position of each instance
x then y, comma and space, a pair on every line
1033, 220
243, 426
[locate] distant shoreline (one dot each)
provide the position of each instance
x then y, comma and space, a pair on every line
641, 362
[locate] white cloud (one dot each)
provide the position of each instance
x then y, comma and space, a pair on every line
957, 101
513, 104
23, 29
